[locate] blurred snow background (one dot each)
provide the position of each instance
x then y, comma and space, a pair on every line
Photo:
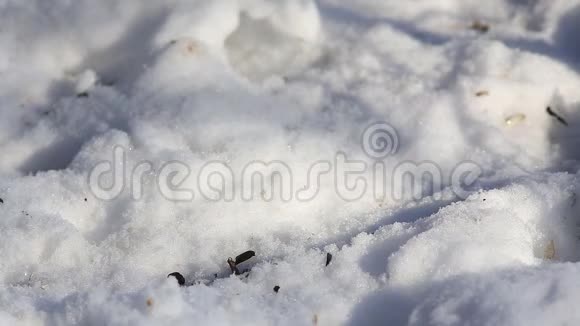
296, 81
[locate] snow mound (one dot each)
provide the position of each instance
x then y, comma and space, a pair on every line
389, 163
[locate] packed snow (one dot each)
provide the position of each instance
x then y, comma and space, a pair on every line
483, 95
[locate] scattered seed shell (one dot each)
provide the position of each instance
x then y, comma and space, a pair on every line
515, 119
556, 116
328, 258
244, 257
479, 27
180, 279
550, 252
107, 83
482, 93
233, 266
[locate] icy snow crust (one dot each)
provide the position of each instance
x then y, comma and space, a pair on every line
292, 81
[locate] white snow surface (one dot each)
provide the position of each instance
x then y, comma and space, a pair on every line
292, 81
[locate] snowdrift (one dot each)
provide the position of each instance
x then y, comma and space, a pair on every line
205, 95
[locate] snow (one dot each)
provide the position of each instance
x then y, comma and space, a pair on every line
185, 102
